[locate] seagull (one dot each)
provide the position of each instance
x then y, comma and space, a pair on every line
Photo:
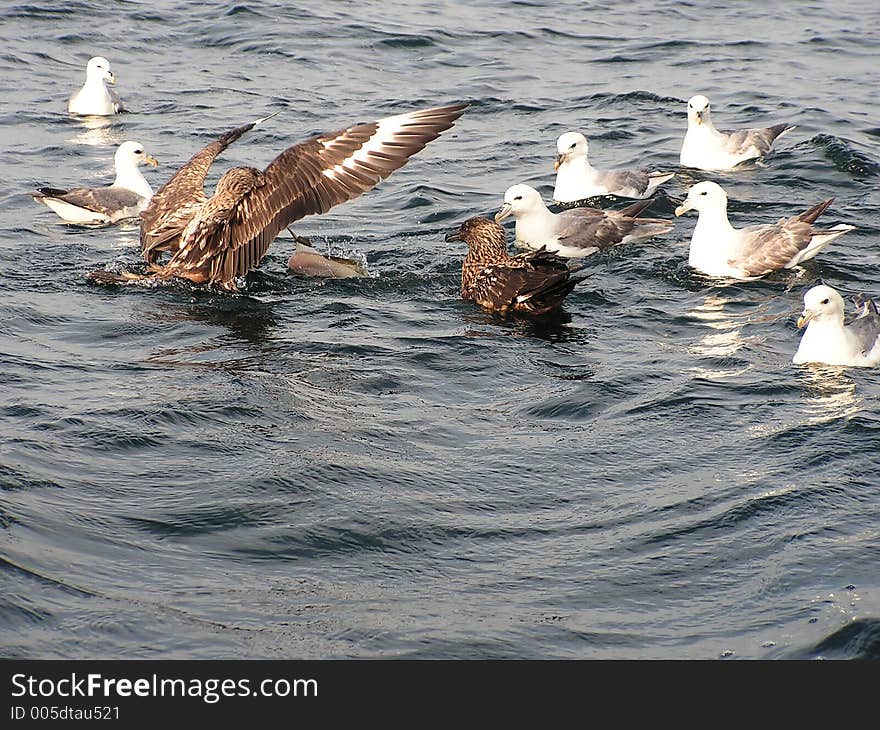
533, 283
213, 240
94, 98
706, 148
719, 249
828, 340
578, 231
125, 198
577, 179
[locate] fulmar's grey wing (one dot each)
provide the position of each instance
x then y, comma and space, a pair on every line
770, 247
117, 102
597, 230
108, 201
865, 305
867, 331
755, 141
866, 326
592, 229
629, 183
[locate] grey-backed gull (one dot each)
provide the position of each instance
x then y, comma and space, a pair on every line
577, 179
94, 98
706, 148
125, 198
829, 340
719, 249
575, 232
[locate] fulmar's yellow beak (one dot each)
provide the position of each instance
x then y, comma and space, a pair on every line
152, 161
683, 208
505, 211
559, 160
805, 318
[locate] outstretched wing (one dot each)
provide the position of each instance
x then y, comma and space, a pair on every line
314, 175
177, 201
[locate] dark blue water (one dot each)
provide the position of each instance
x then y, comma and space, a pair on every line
374, 468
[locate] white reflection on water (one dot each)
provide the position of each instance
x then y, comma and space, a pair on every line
830, 392
128, 235
726, 339
97, 132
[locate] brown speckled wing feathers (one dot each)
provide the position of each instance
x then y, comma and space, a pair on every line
313, 176
535, 283
178, 200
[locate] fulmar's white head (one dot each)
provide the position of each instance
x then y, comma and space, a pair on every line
133, 154
570, 146
99, 69
519, 200
703, 197
129, 156
698, 111
822, 304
